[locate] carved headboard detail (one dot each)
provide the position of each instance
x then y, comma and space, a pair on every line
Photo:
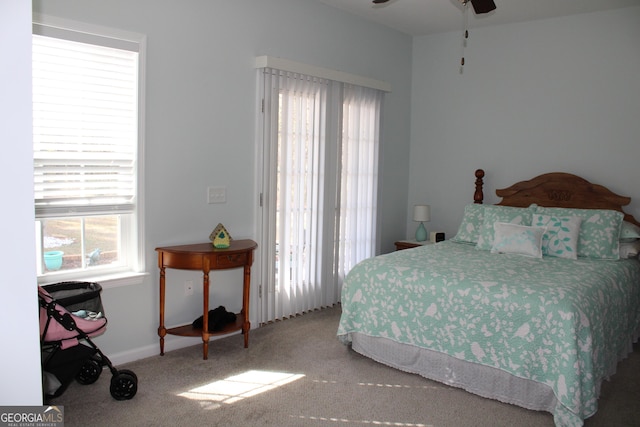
559, 189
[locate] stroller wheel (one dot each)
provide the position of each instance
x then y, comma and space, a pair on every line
90, 372
124, 385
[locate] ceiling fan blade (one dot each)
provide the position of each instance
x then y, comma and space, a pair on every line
479, 6
483, 6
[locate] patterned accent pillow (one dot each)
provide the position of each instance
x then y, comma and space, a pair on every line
517, 239
599, 230
629, 233
471, 223
493, 214
561, 235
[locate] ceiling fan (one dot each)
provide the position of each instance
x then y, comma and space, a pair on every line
479, 6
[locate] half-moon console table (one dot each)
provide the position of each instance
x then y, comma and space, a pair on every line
205, 257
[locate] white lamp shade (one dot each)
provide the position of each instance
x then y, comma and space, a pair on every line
422, 213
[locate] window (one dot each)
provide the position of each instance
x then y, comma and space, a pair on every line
87, 140
319, 190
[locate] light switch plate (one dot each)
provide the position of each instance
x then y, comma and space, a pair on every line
216, 195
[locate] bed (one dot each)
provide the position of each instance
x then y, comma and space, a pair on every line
533, 302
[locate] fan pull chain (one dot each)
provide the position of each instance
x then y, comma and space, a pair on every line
465, 31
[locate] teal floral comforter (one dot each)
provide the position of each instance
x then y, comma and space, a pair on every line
564, 323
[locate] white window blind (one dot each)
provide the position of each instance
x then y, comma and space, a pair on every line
85, 116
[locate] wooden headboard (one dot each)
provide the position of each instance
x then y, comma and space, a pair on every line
557, 189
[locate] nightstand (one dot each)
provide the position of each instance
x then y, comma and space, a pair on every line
408, 244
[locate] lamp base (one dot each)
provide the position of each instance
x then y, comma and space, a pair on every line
421, 233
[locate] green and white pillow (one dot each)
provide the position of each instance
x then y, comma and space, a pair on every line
494, 214
599, 230
561, 235
471, 224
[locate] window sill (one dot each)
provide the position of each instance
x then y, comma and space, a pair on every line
108, 281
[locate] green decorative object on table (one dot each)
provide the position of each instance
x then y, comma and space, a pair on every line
220, 237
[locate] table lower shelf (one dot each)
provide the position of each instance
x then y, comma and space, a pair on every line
190, 331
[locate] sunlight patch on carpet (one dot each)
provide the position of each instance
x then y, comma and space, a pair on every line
239, 387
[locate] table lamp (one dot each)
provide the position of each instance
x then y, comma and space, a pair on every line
421, 213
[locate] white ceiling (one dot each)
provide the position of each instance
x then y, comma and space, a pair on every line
420, 17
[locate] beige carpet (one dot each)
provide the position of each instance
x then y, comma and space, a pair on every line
296, 373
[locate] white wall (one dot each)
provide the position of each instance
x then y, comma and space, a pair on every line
20, 356
553, 95
201, 129
559, 94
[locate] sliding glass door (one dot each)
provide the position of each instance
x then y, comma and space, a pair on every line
319, 191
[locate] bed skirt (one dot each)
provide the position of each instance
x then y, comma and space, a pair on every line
478, 379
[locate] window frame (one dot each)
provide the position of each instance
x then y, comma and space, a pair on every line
132, 270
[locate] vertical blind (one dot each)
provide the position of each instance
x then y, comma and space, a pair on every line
320, 188
84, 126
358, 177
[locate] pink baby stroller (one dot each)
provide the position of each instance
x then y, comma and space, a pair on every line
70, 314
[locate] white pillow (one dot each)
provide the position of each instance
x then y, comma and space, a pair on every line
630, 249
517, 239
629, 232
495, 213
561, 236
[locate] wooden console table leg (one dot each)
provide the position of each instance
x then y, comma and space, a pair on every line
162, 331
205, 315
246, 325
